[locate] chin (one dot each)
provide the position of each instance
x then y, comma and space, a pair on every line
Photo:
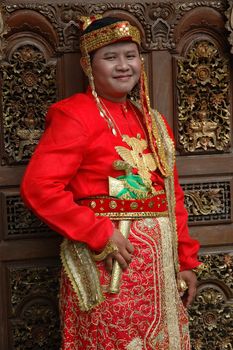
123, 92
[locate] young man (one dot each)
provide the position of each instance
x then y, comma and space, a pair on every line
103, 176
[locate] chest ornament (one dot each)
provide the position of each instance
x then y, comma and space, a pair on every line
138, 165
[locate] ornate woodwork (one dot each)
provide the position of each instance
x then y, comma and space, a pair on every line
212, 313
186, 45
34, 309
229, 24
19, 221
204, 101
25, 101
208, 202
26, 97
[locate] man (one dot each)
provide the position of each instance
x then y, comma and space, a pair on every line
103, 176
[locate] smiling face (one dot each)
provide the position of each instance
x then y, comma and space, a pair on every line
116, 70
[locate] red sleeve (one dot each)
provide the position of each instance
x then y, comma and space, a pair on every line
43, 188
187, 247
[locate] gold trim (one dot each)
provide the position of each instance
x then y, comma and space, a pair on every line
169, 184
108, 35
83, 274
135, 344
124, 227
133, 215
170, 288
113, 205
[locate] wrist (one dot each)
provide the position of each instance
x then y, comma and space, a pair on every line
110, 248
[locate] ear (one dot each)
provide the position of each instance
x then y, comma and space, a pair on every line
83, 64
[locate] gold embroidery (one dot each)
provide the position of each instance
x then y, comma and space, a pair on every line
109, 34
83, 274
113, 205
151, 204
124, 227
135, 158
93, 204
135, 344
133, 215
169, 183
143, 298
170, 290
115, 186
134, 205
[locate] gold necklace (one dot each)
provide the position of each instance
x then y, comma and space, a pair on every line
138, 119
105, 113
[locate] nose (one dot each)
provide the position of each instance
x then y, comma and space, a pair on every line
122, 63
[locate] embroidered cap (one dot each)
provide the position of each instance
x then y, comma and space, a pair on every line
105, 31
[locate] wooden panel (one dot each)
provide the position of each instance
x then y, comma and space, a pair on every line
39, 63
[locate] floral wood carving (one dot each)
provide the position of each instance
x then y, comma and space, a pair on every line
25, 101
229, 24
158, 19
212, 312
3, 32
207, 202
203, 101
20, 222
34, 319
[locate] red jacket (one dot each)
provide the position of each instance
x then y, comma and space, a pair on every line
74, 159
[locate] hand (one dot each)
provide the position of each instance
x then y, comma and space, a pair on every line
124, 254
191, 280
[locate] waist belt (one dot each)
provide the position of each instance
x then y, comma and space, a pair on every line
123, 209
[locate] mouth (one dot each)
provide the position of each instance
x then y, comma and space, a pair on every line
123, 77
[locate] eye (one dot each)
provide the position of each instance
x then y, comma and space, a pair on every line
131, 56
110, 57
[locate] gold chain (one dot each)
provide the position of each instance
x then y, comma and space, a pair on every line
105, 113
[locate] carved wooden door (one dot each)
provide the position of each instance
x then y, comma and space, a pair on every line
188, 54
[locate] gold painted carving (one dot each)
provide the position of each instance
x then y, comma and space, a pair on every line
157, 19
229, 23
3, 32
34, 306
26, 98
212, 312
204, 202
20, 221
203, 107
208, 201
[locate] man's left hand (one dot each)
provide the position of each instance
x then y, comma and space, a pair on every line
191, 280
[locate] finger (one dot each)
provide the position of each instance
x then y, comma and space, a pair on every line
129, 247
127, 256
109, 263
191, 295
121, 260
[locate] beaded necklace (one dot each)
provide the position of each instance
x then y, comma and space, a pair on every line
105, 113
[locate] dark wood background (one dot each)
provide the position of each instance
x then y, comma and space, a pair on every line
187, 47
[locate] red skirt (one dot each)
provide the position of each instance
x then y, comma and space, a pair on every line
147, 313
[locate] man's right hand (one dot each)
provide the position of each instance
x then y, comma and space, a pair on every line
124, 254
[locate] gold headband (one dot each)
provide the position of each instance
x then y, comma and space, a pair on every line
108, 35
